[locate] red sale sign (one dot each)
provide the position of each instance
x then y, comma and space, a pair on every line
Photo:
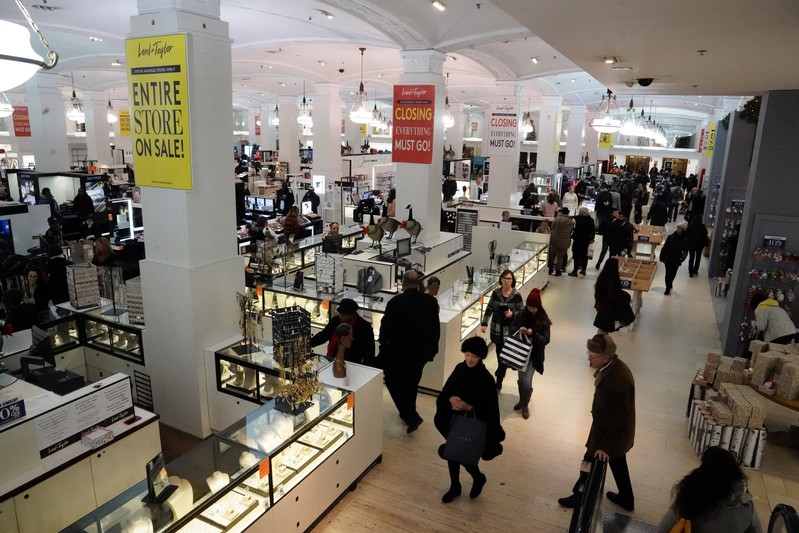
22, 122
414, 120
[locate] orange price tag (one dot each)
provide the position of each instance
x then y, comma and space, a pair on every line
263, 468
259, 291
325, 304
351, 400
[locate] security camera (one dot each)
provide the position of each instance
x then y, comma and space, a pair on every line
645, 82
341, 71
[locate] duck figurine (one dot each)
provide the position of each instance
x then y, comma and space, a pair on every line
374, 231
390, 225
413, 227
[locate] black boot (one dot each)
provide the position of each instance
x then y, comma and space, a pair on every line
500, 375
454, 482
521, 396
526, 395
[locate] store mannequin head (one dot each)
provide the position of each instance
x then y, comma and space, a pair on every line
344, 334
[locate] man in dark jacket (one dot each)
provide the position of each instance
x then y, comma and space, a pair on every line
673, 253
659, 213
620, 237
604, 229
604, 205
83, 204
613, 421
409, 335
449, 188
362, 350
582, 236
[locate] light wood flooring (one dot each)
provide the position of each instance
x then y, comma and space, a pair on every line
542, 454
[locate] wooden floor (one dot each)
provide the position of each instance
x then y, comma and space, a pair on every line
542, 454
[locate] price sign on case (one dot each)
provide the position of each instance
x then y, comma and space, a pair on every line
771, 241
11, 410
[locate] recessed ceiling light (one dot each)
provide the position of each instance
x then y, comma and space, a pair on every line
439, 5
321, 62
282, 84
380, 75
95, 39
534, 60
327, 14
44, 7
622, 68
116, 63
572, 80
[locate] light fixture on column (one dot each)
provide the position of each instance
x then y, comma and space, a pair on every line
359, 113
6, 109
448, 119
527, 120
111, 116
276, 117
304, 115
75, 112
18, 61
605, 123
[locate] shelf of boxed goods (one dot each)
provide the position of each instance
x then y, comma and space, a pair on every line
775, 372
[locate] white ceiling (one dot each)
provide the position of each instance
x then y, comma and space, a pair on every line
752, 46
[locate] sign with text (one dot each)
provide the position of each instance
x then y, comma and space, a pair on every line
414, 121
22, 121
159, 99
124, 123
773, 241
701, 140
257, 124
711, 139
605, 140
503, 129
11, 409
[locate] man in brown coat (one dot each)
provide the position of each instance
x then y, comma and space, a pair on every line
613, 425
559, 241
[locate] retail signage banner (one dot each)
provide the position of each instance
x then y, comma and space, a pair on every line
22, 121
503, 129
605, 140
701, 140
257, 124
124, 123
711, 139
414, 123
159, 99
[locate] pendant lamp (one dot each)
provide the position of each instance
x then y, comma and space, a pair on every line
276, 116
18, 61
448, 119
75, 112
304, 114
605, 123
111, 116
360, 113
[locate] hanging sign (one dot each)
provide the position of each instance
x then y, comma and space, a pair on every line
414, 122
701, 139
503, 129
605, 140
124, 123
257, 124
22, 121
711, 139
159, 98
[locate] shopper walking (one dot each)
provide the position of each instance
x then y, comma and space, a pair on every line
620, 236
612, 431
582, 237
549, 207
571, 201
604, 230
714, 497
673, 254
362, 350
612, 303
469, 391
696, 234
503, 306
772, 320
677, 196
604, 204
559, 239
409, 334
533, 321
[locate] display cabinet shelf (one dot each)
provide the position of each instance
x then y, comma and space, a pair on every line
112, 335
64, 327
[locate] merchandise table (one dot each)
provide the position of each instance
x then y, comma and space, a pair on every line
652, 236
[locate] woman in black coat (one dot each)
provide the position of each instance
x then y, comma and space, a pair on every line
696, 234
611, 302
470, 389
582, 236
533, 322
673, 253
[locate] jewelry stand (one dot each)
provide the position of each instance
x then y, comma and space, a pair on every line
110, 275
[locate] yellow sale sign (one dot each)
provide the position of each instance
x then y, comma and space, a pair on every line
159, 100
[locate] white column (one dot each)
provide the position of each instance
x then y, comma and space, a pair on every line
327, 142
504, 169
591, 143
549, 134
48, 123
95, 105
192, 271
289, 134
420, 185
353, 133
454, 135
574, 140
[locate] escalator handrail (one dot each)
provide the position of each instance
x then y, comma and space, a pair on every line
788, 515
583, 516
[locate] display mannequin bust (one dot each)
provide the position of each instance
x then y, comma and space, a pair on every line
217, 481
345, 338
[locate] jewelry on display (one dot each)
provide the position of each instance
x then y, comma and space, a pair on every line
217, 481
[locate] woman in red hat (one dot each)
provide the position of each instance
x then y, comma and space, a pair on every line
534, 322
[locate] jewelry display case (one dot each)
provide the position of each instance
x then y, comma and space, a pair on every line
64, 328
113, 335
231, 480
248, 374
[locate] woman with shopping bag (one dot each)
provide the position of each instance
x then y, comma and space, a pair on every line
505, 303
532, 324
467, 415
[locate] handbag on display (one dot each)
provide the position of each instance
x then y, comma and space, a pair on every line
516, 351
466, 439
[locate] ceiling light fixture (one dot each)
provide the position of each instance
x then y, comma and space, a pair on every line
75, 112
448, 119
611, 60
276, 117
360, 113
18, 61
527, 120
116, 63
534, 60
439, 5
6, 109
621, 68
304, 115
111, 117
606, 123
327, 14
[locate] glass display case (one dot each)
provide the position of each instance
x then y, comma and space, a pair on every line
248, 373
230, 480
113, 335
63, 326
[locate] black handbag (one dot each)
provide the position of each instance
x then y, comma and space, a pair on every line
466, 439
